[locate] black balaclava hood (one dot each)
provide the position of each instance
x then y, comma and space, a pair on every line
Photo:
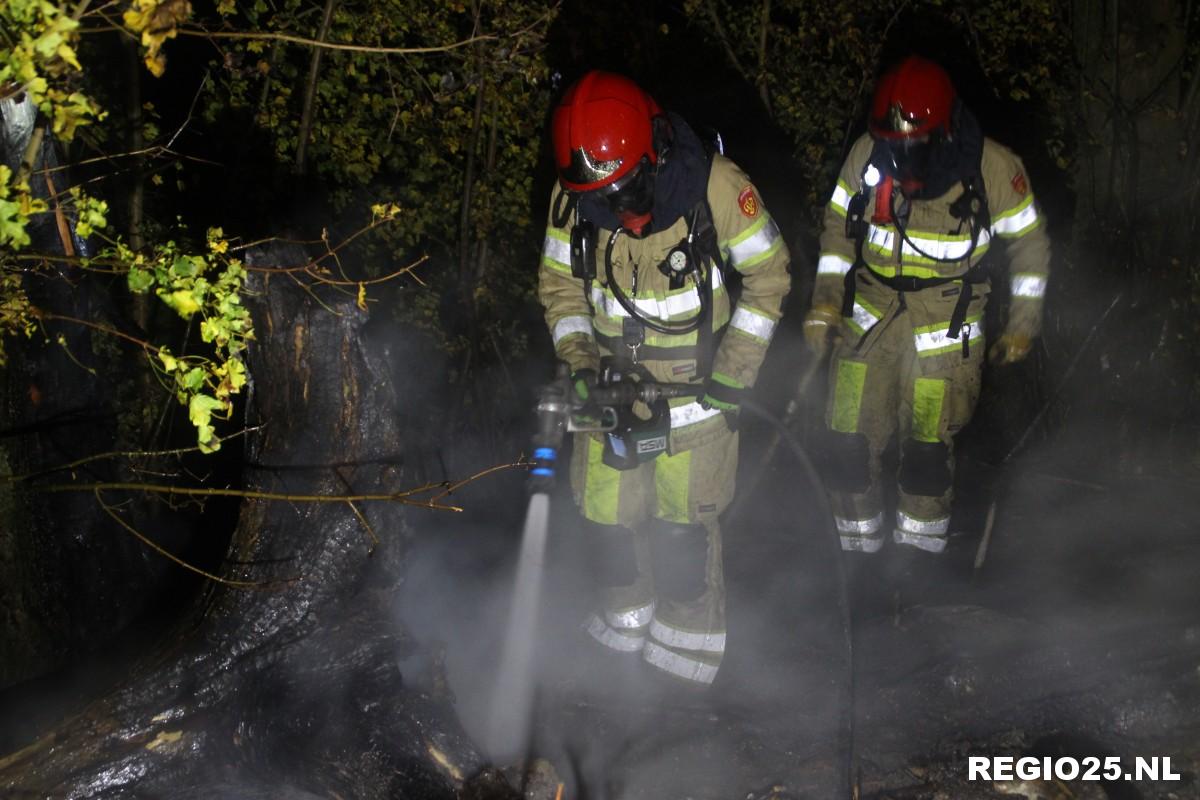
680, 181
939, 164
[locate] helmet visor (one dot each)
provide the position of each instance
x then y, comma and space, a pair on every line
584, 170
900, 123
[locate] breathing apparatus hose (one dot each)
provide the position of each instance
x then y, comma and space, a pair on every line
681, 327
826, 514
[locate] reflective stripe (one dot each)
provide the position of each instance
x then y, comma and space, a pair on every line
632, 619
840, 199
672, 485
1018, 221
755, 244
860, 526
557, 250
930, 544
690, 414
609, 330
832, 265
681, 666
928, 398
760, 326
601, 486
880, 239
911, 268
569, 326
670, 306
935, 339
687, 640
1026, 285
613, 639
933, 527
683, 302
863, 319
922, 247
862, 544
847, 395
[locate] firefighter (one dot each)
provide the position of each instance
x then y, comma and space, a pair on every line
900, 292
645, 221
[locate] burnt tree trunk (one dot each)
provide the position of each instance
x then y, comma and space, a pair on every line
291, 690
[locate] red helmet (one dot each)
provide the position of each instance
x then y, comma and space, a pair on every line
913, 99
603, 130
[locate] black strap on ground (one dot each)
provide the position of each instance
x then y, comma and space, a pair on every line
849, 713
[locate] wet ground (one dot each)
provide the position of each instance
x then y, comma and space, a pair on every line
1078, 635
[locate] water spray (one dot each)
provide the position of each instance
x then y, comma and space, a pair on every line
559, 410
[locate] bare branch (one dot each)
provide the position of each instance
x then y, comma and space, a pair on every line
176, 559
46, 316
764, 25
120, 454
373, 281
353, 48
410, 497
713, 14
310, 89
30, 156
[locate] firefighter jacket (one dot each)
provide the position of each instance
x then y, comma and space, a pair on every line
891, 252
586, 322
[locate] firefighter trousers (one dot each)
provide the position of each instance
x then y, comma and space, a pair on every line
657, 540
883, 386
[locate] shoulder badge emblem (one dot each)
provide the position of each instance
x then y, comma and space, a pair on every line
747, 202
1019, 185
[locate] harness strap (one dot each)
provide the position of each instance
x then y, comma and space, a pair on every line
856, 229
651, 352
709, 246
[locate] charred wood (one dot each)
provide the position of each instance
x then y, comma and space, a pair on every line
291, 689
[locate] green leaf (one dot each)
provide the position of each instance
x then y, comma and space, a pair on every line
237, 373
193, 379
187, 267
139, 280
201, 407
182, 300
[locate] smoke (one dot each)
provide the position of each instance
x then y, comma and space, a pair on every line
609, 727
1080, 621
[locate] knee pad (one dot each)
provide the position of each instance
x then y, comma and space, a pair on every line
679, 554
610, 548
846, 461
925, 468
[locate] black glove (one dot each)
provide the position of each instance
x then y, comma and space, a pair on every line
722, 393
